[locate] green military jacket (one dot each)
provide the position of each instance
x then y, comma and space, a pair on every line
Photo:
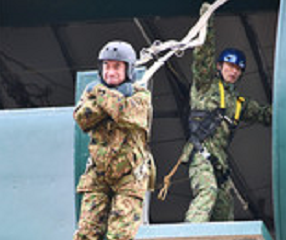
205, 95
118, 127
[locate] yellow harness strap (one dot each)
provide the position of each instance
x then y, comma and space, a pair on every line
239, 102
222, 98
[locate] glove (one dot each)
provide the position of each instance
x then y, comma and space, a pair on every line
204, 8
92, 85
126, 89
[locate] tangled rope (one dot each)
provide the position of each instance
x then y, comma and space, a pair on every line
195, 37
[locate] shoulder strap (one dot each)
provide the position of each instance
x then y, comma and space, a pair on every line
239, 102
237, 115
222, 97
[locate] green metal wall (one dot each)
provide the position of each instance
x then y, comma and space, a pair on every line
36, 174
279, 127
81, 139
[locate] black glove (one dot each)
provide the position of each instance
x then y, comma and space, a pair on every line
126, 89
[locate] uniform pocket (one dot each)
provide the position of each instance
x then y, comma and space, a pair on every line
87, 180
120, 165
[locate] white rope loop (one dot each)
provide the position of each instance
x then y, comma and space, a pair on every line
174, 46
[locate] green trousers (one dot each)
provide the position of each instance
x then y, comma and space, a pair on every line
211, 201
113, 210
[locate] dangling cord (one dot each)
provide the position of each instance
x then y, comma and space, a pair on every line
238, 195
167, 181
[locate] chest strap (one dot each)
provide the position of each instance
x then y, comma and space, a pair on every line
238, 107
203, 124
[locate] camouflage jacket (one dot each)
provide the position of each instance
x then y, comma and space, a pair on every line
205, 95
118, 127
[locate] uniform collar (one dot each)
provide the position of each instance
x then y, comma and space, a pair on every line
229, 86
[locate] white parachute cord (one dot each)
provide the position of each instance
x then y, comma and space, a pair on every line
156, 65
161, 61
203, 20
177, 47
148, 54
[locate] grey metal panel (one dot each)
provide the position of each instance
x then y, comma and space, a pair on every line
251, 230
36, 174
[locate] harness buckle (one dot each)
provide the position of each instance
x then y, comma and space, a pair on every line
227, 119
205, 153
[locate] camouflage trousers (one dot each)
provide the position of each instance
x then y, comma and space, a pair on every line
211, 201
113, 210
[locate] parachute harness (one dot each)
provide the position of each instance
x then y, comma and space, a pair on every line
203, 128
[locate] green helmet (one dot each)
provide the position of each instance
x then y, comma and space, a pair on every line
120, 51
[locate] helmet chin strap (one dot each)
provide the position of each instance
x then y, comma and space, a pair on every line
219, 73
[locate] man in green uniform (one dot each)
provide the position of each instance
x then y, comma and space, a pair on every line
115, 112
216, 108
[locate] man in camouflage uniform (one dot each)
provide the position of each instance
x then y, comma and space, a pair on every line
215, 110
115, 112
